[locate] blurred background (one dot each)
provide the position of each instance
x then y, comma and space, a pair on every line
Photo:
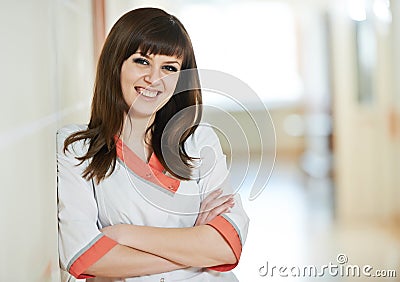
328, 71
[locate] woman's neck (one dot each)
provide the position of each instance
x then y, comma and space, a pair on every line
134, 135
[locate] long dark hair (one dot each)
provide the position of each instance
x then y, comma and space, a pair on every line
152, 31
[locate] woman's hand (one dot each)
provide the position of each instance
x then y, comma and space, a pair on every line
214, 205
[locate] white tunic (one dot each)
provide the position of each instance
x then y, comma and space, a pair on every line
140, 193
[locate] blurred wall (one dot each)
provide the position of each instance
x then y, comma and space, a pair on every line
395, 118
46, 77
285, 143
366, 129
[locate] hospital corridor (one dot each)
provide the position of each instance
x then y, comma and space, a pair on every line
310, 126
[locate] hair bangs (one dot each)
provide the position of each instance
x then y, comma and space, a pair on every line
165, 37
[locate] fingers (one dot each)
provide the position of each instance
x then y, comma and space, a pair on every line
214, 205
219, 210
213, 200
206, 217
212, 196
219, 202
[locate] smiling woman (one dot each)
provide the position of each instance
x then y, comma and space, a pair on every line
139, 200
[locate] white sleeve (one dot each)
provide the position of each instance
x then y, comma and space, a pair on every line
80, 242
213, 174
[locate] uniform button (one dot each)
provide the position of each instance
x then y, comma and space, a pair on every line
162, 280
148, 175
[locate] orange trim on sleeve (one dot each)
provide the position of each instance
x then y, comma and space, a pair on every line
230, 235
93, 254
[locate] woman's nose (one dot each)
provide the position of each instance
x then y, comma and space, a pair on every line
153, 76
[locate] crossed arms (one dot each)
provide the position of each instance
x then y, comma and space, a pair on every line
143, 250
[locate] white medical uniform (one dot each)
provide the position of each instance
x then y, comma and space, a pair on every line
141, 193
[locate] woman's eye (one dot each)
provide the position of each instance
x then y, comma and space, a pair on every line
170, 68
141, 61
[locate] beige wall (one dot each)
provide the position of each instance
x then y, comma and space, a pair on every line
46, 77
286, 144
395, 70
365, 148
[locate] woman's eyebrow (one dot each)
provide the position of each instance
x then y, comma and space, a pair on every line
172, 62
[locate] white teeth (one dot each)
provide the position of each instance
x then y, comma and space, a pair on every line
147, 93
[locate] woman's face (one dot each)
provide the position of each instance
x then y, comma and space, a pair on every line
148, 82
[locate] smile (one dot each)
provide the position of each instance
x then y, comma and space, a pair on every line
147, 92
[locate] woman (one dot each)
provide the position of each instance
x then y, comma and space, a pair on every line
140, 197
